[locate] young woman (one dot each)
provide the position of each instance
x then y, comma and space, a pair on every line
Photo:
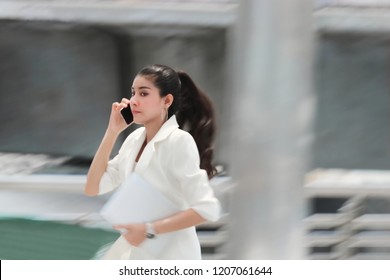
176, 162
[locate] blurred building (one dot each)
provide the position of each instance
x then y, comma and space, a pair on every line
351, 131
64, 63
352, 123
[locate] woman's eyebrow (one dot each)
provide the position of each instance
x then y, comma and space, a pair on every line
141, 88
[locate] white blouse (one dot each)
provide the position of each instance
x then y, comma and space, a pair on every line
170, 162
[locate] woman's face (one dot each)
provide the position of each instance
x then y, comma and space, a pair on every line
146, 104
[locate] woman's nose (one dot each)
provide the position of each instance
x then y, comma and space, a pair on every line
133, 101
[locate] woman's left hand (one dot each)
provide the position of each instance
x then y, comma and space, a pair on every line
135, 234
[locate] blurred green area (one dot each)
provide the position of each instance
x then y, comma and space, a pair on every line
26, 239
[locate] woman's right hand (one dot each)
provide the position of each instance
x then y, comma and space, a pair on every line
117, 123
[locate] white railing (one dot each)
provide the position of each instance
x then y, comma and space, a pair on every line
349, 232
340, 234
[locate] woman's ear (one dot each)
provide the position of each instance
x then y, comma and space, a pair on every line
168, 100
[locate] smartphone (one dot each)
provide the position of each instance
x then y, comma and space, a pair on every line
127, 115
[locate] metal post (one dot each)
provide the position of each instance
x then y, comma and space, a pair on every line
272, 109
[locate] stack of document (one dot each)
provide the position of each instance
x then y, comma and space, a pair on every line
137, 201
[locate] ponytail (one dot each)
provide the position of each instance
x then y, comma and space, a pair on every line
193, 108
196, 115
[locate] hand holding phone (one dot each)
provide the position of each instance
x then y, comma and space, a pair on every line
127, 115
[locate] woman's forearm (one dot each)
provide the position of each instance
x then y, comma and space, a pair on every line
136, 233
178, 221
99, 163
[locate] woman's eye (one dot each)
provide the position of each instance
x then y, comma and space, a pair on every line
141, 94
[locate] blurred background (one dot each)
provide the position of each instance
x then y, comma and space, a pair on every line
301, 94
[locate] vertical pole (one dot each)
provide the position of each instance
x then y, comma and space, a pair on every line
271, 114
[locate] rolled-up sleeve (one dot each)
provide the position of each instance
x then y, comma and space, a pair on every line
115, 171
110, 179
194, 181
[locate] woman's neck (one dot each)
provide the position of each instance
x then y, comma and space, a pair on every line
152, 128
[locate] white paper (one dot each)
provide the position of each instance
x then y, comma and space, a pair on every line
137, 201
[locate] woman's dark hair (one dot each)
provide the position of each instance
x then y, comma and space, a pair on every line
193, 108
